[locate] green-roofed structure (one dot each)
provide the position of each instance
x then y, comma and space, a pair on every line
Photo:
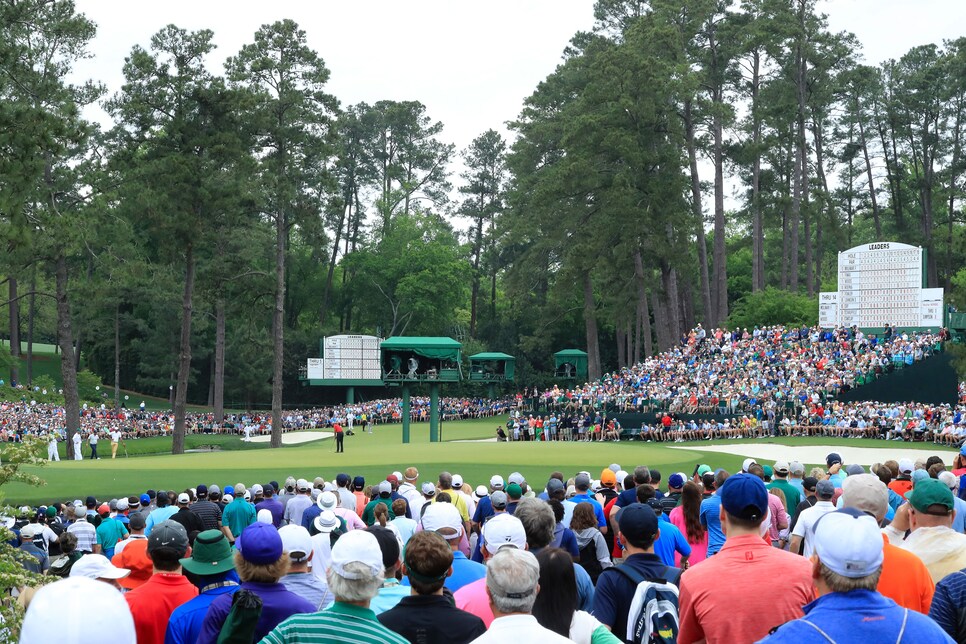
419, 359
492, 368
570, 364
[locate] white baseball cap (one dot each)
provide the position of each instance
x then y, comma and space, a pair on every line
85, 610
457, 481
748, 462
517, 478
257, 489
357, 546
122, 505
265, 516
481, 491
95, 566
184, 498
848, 542
496, 481
439, 516
303, 485
296, 541
906, 465
504, 530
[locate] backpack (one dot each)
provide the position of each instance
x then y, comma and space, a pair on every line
588, 560
653, 615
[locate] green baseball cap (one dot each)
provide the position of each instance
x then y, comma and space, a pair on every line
211, 554
929, 493
704, 469
514, 491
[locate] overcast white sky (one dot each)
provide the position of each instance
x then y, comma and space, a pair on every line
470, 63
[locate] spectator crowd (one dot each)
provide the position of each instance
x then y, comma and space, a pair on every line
849, 554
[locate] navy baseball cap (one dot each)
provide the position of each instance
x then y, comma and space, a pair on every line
832, 459
359, 482
744, 496
342, 480
638, 523
201, 490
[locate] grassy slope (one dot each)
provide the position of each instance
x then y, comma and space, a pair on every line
372, 456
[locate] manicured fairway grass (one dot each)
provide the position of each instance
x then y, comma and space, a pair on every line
373, 456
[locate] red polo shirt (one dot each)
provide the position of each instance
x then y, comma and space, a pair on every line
153, 602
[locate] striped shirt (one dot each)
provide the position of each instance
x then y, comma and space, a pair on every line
949, 605
208, 512
341, 623
86, 535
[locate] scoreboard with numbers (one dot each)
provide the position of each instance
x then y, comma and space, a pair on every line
348, 359
881, 283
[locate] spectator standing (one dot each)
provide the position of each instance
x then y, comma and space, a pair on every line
556, 604
846, 565
931, 513
298, 503
271, 503
355, 576
213, 568
793, 494
426, 616
593, 554
153, 602
261, 563
711, 515
512, 577
445, 519
82, 529
191, 521
904, 578
687, 518
801, 540
239, 514
501, 531
637, 532
709, 614
298, 544
109, 533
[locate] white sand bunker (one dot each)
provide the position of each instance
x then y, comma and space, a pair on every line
293, 438
768, 452
475, 440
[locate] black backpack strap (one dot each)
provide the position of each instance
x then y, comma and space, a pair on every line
673, 575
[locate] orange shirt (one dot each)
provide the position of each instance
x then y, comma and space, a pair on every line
901, 486
153, 602
905, 579
722, 599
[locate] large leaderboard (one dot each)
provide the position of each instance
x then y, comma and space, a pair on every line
881, 283
349, 358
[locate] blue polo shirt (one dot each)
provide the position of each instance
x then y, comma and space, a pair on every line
670, 541
185, 622
598, 509
858, 616
464, 572
710, 514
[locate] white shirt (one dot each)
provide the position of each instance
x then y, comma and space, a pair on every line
519, 628
806, 524
321, 555
77, 439
115, 436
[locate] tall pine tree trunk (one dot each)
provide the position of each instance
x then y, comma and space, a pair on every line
117, 356
643, 316
877, 220
757, 225
14, 330
184, 353
590, 325
65, 340
327, 293
719, 290
698, 213
218, 395
31, 315
278, 328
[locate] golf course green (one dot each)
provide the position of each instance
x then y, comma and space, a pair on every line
373, 456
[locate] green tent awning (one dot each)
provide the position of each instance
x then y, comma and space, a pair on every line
482, 357
428, 347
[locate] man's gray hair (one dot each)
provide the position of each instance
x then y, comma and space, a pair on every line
538, 522
511, 579
642, 475
354, 590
